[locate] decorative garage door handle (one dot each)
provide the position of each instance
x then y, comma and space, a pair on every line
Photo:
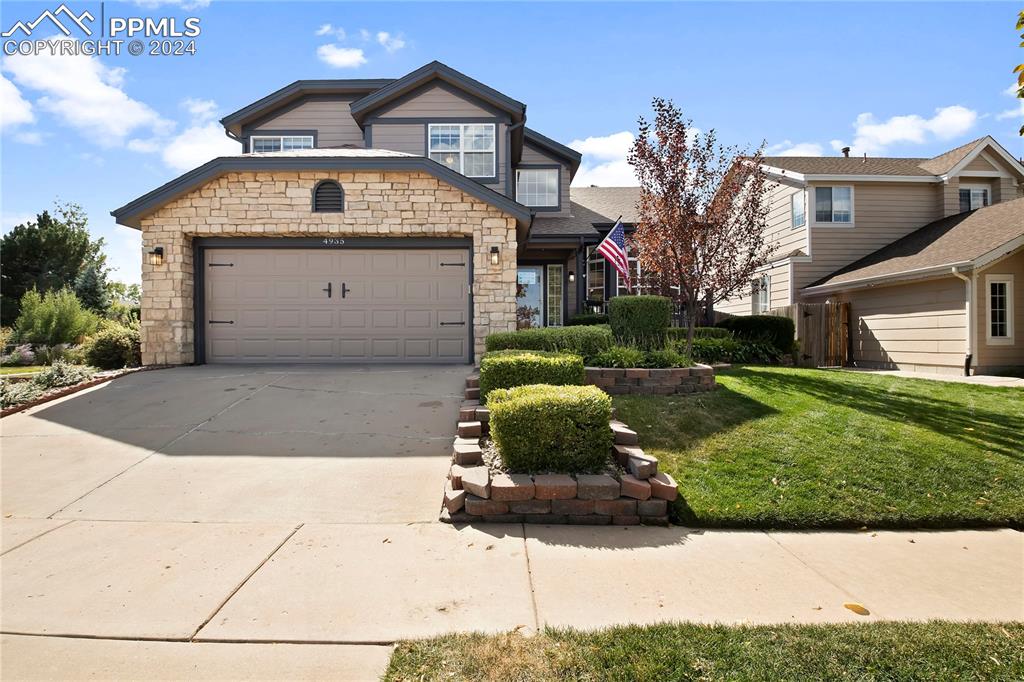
457, 265
449, 324
344, 289
328, 290
222, 321
222, 265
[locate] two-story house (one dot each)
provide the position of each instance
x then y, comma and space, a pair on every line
928, 252
370, 221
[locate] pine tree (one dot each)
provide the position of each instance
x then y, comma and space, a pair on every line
91, 289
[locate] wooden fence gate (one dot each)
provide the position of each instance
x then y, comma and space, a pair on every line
823, 331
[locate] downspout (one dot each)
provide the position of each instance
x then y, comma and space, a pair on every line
969, 311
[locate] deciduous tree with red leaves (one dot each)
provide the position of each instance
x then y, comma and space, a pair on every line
702, 211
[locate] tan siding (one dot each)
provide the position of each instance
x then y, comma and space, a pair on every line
882, 213
989, 356
743, 305
432, 102
979, 164
329, 117
533, 155
919, 326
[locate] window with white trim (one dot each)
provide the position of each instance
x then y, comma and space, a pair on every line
595, 276
280, 143
555, 288
833, 205
797, 210
973, 198
537, 187
760, 294
466, 148
999, 309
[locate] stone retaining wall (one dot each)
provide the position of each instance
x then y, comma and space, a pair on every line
696, 379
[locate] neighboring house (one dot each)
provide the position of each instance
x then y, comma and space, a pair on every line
370, 221
928, 252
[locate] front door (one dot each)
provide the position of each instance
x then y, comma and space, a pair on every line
529, 296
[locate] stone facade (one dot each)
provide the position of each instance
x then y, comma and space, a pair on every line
277, 204
678, 380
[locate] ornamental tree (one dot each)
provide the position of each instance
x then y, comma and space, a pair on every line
702, 211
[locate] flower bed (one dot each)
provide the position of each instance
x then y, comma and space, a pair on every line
639, 381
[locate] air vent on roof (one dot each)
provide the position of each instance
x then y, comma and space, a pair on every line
328, 197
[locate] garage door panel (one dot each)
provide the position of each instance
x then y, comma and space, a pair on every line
394, 305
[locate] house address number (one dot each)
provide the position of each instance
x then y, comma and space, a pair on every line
334, 241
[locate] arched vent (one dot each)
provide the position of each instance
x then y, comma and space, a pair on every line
328, 197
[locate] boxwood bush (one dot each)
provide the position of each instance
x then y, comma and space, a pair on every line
561, 429
587, 319
114, 347
508, 369
780, 332
640, 320
583, 341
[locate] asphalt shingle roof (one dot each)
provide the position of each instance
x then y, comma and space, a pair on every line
957, 239
859, 165
589, 206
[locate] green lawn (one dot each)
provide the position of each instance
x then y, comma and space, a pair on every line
796, 448
21, 369
874, 651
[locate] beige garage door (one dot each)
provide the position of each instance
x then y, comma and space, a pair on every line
298, 305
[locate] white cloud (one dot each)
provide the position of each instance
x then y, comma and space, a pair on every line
200, 110
14, 109
341, 57
197, 145
604, 161
788, 148
875, 137
29, 137
389, 42
364, 35
330, 30
86, 95
1017, 111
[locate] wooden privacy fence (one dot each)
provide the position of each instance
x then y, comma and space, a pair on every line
823, 330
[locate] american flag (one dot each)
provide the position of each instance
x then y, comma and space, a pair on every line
613, 248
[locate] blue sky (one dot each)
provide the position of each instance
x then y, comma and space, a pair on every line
901, 80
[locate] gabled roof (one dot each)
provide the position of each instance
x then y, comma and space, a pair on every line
132, 213
293, 91
945, 162
437, 71
590, 208
556, 148
965, 240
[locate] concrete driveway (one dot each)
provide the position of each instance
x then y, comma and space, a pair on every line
229, 444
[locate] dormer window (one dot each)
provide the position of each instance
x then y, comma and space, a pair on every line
280, 143
466, 148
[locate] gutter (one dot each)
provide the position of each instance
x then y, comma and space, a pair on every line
971, 311
866, 282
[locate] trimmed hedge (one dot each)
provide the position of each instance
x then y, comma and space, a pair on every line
679, 333
561, 429
115, 347
734, 350
519, 368
588, 319
640, 320
627, 357
778, 331
584, 341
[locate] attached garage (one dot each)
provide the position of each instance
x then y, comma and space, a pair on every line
279, 301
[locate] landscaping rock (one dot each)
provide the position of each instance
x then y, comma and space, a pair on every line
554, 487
530, 507
454, 500
596, 487
642, 466
478, 506
470, 429
573, 507
467, 453
623, 434
664, 487
622, 453
625, 520
511, 487
477, 480
635, 488
652, 508
619, 507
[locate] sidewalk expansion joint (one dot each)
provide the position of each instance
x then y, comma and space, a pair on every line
529, 578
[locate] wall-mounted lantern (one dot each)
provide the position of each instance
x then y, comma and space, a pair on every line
572, 277
156, 255
494, 255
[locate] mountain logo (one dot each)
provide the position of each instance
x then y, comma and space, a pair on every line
77, 20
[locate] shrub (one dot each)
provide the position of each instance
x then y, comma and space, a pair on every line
583, 341
17, 392
735, 350
560, 429
588, 319
663, 359
675, 334
640, 320
780, 332
53, 318
621, 357
114, 347
510, 369
22, 355
62, 374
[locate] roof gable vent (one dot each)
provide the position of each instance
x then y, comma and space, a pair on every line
328, 197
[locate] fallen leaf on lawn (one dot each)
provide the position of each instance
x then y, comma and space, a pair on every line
775, 481
859, 609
